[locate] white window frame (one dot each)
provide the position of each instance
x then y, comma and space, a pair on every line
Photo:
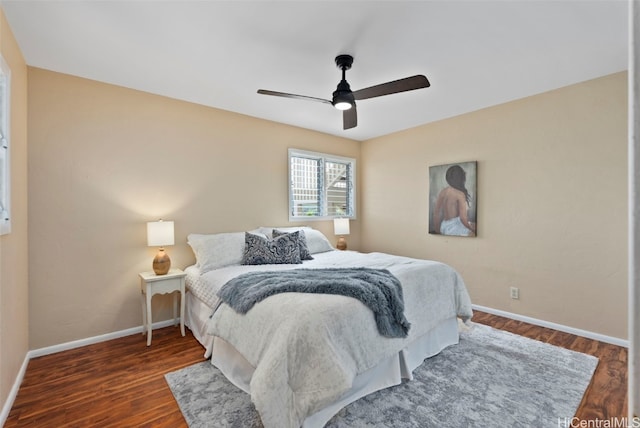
5, 149
324, 157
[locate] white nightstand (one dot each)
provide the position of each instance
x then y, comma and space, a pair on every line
151, 284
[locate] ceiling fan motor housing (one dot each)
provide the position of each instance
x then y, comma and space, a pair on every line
343, 98
343, 95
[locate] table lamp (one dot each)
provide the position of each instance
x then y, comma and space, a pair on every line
159, 234
341, 228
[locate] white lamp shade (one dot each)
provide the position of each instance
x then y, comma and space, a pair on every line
341, 226
159, 233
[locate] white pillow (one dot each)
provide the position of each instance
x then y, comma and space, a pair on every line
217, 250
316, 241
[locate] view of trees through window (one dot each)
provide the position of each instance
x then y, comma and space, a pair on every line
320, 185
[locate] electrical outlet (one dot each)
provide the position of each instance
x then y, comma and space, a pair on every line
515, 293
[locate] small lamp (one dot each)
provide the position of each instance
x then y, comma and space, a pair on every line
341, 228
159, 234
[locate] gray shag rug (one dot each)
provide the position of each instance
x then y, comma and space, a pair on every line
492, 378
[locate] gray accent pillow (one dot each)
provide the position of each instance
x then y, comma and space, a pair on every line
259, 250
316, 241
302, 242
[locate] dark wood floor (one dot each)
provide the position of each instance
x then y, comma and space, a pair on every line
120, 383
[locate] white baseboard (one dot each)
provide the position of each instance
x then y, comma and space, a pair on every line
14, 391
64, 347
566, 329
96, 339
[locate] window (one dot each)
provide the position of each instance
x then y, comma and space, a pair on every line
321, 186
5, 177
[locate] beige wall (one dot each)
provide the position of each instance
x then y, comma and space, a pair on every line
552, 202
14, 316
103, 160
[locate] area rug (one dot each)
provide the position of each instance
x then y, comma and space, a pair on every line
492, 378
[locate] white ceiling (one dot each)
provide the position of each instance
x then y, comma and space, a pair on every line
475, 53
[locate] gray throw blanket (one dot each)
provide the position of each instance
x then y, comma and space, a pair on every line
378, 289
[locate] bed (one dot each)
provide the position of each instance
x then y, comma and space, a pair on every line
303, 356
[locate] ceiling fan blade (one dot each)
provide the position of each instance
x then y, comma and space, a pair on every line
402, 85
350, 118
299, 97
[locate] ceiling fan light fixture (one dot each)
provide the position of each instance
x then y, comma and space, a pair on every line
342, 105
343, 97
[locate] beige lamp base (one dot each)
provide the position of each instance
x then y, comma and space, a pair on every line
161, 263
342, 244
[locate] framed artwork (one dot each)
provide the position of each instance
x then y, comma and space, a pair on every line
453, 199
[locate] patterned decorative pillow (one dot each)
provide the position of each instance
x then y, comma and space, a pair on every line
316, 241
302, 242
259, 250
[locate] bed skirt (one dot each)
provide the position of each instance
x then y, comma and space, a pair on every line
196, 315
387, 373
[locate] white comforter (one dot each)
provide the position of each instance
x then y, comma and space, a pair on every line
308, 348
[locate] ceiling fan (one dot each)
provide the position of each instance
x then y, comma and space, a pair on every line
345, 99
